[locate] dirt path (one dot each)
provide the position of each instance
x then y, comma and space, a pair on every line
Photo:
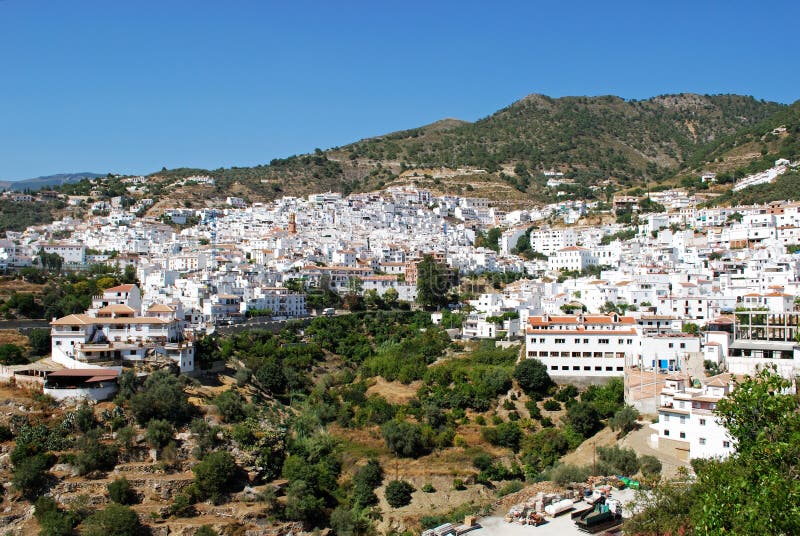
639, 441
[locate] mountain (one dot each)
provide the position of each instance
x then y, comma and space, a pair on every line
47, 181
593, 141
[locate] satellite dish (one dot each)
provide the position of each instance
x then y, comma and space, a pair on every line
696, 383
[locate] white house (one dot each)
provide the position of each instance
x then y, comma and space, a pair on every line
686, 420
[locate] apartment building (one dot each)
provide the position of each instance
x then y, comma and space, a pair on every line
583, 346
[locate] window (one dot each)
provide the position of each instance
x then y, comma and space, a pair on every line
726, 444
619, 369
553, 367
585, 341
577, 341
602, 341
560, 341
598, 368
702, 422
587, 368
671, 345
683, 435
666, 432
683, 345
702, 440
609, 369
565, 367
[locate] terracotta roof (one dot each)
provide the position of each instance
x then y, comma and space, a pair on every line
160, 308
120, 288
116, 309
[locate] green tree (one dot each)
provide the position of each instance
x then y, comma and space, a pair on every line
215, 475
159, 433
532, 376
39, 340
398, 493
120, 491
161, 397
433, 283
30, 474
584, 418
11, 354
390, 297
113, 520
404, 438
624, 420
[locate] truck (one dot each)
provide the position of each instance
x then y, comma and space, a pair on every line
329, 311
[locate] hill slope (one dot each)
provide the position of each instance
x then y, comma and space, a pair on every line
591, 139
47, 181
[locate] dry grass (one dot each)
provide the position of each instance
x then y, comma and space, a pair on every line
12, 336
394, 392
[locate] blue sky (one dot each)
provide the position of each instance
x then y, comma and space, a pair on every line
131, 86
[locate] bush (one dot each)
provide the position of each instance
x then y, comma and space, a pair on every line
458, 484
120, 491
206, 530
231, 406
95, 456
650, 466
511, 487
114, 520
428, 488
30, 473
507, 434
404, 439
531, 374
161, 397
624, 420
620, 461
566, 393
584, 419
159, 433
533, 409
398, 493
215, 475
566, 474
52, 520
551, 405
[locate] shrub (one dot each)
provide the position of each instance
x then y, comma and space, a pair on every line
551, 405
30, 474
507, 434
583, 417
566, 393
114, 520
458, 484
159, 433
533, 409
231, 406
206, 530
511, 487
404, 438
120, 491
161, 397
215, 475
428, 488
650, 466
95, 456
624, 420
621, 461
566, 474
398, 493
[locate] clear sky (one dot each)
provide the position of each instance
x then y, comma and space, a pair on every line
131, 86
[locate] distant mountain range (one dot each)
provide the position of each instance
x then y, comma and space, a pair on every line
47, 181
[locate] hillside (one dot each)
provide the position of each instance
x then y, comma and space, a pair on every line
47, 181
600, 144
592, 140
